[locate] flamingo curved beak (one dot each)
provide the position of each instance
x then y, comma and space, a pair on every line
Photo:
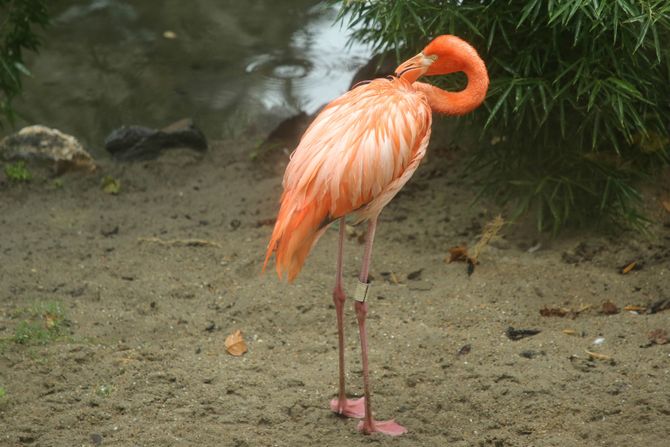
414, 67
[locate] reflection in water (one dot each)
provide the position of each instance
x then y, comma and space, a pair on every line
234, 66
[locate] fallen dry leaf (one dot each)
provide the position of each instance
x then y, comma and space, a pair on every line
597, 356
659, 337
628, 267
459, 253
569, 331
609, 308
666, 205
634, 308
554, 312
518, 334
583, 307
235, 344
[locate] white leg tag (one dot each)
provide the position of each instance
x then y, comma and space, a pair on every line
361, 293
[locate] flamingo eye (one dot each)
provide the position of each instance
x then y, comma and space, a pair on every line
432, 57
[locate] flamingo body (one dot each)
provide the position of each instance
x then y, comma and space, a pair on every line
356, 155
354, 158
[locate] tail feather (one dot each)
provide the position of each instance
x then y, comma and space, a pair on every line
295, 233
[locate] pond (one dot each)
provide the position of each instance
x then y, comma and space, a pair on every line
235, 67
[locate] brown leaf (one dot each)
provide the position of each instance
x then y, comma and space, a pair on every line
629, 267
235, 344
659, 337
554, 312
666, 205
459, 253
609, 308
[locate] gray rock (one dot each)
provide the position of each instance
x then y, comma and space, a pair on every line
52, 147
132, 143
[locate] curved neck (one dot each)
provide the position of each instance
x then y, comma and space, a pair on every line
459, 103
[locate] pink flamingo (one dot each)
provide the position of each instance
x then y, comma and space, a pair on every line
354, 158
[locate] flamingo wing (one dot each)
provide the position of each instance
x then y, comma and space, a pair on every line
355, 156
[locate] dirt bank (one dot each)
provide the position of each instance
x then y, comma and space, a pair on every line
138, 357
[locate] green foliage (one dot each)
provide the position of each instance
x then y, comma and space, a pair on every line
110, 185
104, 390
578, 105
44, 322
18, 172
17, 18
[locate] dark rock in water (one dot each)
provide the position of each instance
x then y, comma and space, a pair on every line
129, 143
46, 146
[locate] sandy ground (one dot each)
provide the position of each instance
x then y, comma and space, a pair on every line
140, 359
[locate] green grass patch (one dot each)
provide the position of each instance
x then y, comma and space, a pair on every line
110, 185
42, 323
104, 390
18, 172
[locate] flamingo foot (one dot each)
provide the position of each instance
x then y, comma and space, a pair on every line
391, 428
351, 408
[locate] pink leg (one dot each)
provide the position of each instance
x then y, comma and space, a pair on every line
369, 425
353, 408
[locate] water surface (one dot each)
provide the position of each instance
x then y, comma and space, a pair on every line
233, 66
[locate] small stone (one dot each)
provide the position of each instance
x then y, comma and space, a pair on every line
530, 354
415, 275
465, 349
108, 231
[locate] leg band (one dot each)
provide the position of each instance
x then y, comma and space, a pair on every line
362, 290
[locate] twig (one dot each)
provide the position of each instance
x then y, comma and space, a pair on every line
491, 229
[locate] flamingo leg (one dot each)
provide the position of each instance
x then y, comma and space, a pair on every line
353, 408
368, 425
